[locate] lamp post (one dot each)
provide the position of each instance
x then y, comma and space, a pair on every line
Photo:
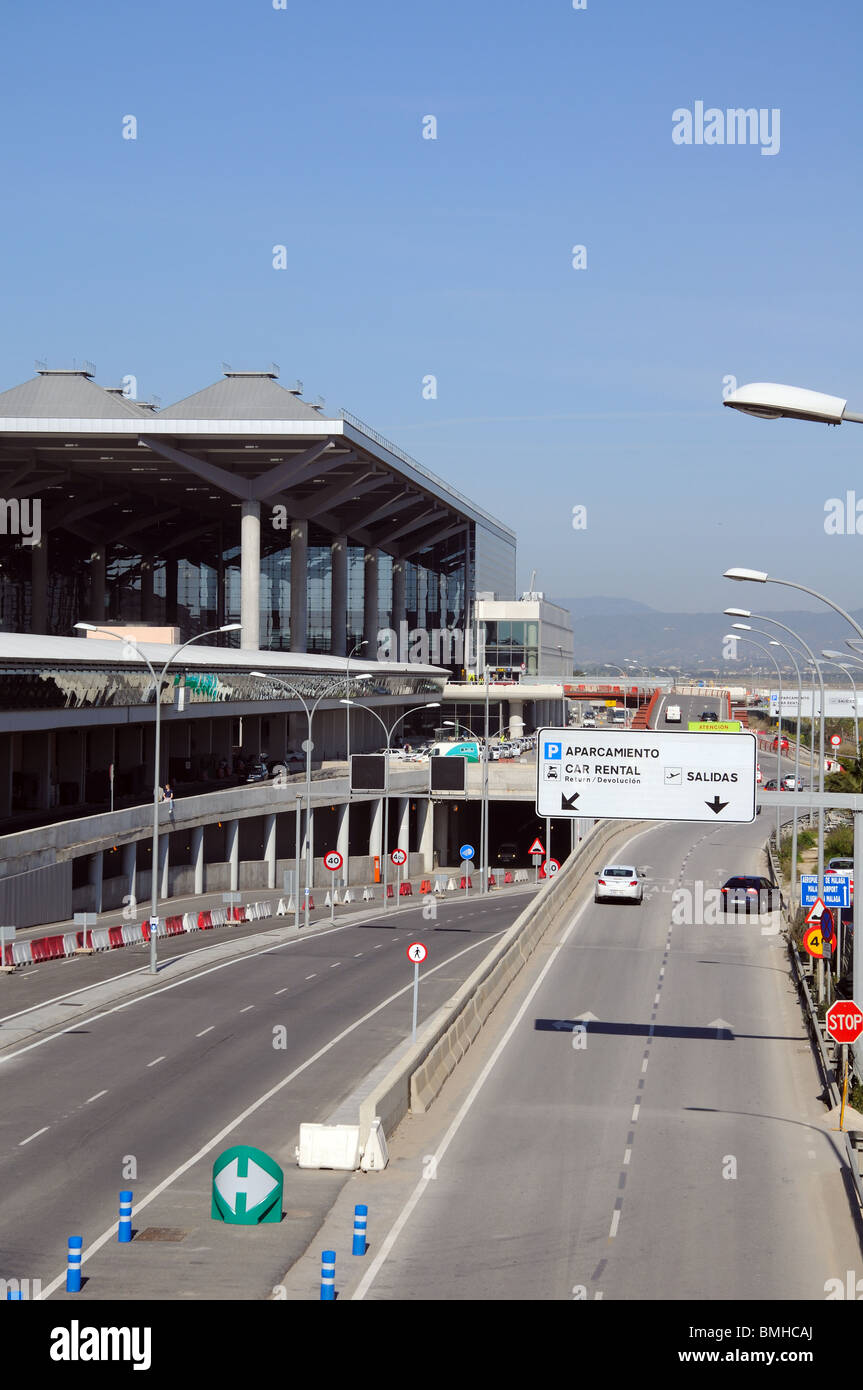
157, 686
435, 704
286, 685
832, 657
733, 635
356, 648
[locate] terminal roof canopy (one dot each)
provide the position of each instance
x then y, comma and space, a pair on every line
108, 468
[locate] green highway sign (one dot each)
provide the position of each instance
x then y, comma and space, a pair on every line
247, 1187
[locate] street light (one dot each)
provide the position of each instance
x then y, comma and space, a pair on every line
435, 704
277, 680
356, 648
771, 401
761, 577
157, 685
732, 636
833, 658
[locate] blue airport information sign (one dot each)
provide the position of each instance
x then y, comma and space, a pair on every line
837, 890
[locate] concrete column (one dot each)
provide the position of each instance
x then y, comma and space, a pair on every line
444, 607
232, 852
198, 857
376, 827
130, 872
422, 597
148, 600
39, 589
164, 863
270, 849
94, 877
250, 575
516, 718
299, 586
97, 585
441, 832
404, 823
370, 603
339, 596
399, 607
425, 827
5, 775
343, 839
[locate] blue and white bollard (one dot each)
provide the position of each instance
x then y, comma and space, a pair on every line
361, 1218
73, 1265
328, 1274
124, 1232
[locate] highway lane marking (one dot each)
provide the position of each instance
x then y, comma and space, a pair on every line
262, 1100
627, 1155
95, 1097
357, 955
282, 991
422, 1183
615, 1222
635, 1110
205, 1030
312, 977
246, 1009
43, 1130
28, 973
155, 1060
644, 1064
334, 964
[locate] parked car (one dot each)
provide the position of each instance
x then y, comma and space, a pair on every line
618, 882
750, 892
784, 746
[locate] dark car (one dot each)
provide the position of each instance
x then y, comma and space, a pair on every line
708, 716
750, 892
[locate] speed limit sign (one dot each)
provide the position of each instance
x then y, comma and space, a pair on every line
835, 740
398, 856
551, 867
333, 860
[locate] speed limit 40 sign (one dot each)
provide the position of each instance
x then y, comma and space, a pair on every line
333, 861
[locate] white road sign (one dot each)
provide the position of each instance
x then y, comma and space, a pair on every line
626, 774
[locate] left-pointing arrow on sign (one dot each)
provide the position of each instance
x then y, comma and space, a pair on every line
716, 805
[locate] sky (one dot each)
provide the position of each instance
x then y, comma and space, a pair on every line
408, 257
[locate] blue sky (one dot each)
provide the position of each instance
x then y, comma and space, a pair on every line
452, 257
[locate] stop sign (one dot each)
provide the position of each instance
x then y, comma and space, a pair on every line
844, 1021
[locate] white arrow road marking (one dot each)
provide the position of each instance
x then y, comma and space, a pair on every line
257, 1185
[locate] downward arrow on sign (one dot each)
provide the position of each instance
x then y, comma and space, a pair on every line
567, 802
716, 805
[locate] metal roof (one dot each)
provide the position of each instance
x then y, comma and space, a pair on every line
241, 396
71, 394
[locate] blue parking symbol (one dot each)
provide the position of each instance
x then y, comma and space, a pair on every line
553, 752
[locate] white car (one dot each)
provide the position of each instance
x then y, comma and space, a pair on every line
672, 714
618, 881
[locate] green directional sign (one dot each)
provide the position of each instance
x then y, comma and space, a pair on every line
247, 1187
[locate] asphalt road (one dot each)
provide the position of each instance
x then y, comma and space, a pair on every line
155, 1080
681, 1153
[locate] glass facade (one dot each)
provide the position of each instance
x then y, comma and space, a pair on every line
513, 644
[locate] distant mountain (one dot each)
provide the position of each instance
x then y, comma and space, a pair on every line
602, 607
684, 639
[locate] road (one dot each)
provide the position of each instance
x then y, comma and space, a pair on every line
681, 1153
154, 1081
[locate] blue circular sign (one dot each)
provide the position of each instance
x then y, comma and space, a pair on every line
466, 851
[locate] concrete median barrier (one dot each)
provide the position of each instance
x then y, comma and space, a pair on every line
417, 1078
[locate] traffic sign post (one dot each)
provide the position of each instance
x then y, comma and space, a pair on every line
417, 953
844, 1021
467, 853
247, 1187
835, 740
333, 861
551, 867
645, 774
398, 857
537, 854
835, 892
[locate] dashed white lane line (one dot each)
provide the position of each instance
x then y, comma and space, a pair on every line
656, 1000
205, 1030
357, 955
644, 1064
615, 1222
334, 964
635, 1110
95, 1097
155, 1060
28, 973
282, 991
379, 945
312, 977
33, 1136
627, 1156
246, 1009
